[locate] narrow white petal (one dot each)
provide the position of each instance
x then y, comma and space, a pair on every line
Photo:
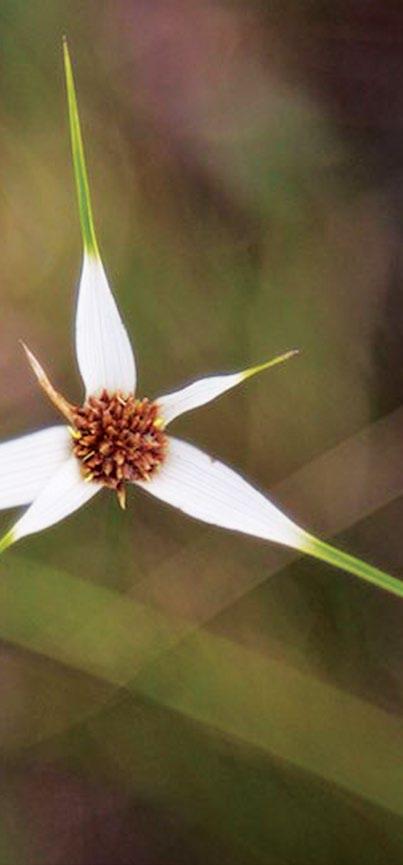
206, 389
27, 463
104, 353
210, 491
63, 494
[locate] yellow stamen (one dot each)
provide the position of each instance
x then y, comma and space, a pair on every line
121, 494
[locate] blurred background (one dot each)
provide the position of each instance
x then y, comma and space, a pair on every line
172, 693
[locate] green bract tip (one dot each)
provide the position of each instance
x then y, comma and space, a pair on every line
339, 559
80, 171
6, 541
268, 363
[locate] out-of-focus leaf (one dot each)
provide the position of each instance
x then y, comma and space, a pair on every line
262, 701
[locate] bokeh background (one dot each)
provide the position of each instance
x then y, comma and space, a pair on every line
171, 693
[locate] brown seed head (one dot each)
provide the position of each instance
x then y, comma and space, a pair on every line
118, 438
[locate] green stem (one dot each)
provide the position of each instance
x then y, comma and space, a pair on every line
339, 559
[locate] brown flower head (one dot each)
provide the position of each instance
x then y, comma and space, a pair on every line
118, 438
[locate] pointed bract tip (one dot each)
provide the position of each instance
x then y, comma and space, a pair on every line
269, 363
25, 347
66, 57
65, 46
62, 405
286, 356
80, 170
33, 362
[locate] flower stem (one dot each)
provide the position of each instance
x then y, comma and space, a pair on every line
326, 553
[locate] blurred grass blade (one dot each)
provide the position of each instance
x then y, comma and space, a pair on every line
339, 559
286, 712
263, 701
80, 170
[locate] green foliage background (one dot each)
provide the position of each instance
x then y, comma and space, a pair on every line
172, 693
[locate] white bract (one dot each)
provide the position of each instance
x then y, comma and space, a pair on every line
43, 469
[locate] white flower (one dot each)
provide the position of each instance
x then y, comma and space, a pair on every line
115, 438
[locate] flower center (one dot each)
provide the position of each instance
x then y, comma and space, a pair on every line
118, 438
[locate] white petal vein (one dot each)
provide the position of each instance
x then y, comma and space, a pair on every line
64, 493
206, 389
105, 356
27, 463
208, 490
